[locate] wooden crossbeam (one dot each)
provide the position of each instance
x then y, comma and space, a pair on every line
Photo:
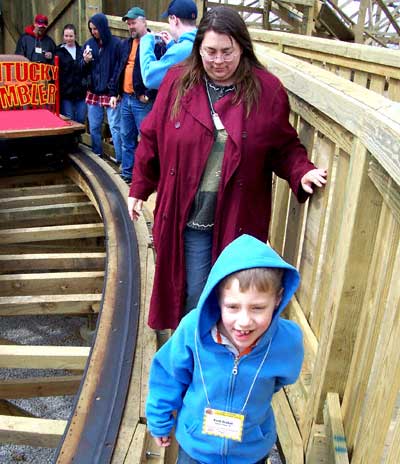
31, 431
50, 304
39, 234
52, 262
35, 387
58, 189
24, 201
51, 283
43, 357
44, 211
10, 409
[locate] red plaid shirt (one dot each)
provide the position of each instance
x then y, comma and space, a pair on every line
93, 99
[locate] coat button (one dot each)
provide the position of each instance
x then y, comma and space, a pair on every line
244, 135
172, 172
177, 125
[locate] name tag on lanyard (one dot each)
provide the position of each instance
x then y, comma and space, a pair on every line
217, 121
223, 424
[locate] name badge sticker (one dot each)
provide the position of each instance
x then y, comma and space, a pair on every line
223, 424
38, 50
217, 122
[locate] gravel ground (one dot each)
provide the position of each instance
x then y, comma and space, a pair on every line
39, 330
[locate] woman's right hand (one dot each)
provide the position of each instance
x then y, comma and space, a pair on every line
134, 208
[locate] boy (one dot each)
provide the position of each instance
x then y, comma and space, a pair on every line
226, 359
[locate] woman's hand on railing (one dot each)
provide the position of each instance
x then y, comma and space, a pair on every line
314, 177
134, 208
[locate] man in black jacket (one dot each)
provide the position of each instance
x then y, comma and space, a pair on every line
35, 44
137, 100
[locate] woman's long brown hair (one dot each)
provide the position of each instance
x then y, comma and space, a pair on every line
222, 20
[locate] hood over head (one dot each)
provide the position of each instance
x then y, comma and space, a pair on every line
101, 23
243, 253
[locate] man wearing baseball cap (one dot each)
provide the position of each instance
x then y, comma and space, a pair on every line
182, 15
35, 44
137, 100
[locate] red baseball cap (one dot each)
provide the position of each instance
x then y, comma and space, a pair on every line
41, 20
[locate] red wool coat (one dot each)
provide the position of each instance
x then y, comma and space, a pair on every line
171, 158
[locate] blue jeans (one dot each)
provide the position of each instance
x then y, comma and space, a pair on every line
74, 109
198, 246
184, 458
133, 111
95, 116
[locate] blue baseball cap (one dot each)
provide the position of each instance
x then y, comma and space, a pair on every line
183, 9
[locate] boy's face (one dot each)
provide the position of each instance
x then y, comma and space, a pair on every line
245, 316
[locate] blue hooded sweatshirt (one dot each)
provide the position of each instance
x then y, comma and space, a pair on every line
191, 355
102, 72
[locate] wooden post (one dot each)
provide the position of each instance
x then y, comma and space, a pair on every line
359, 27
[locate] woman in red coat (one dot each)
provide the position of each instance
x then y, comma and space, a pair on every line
218, 131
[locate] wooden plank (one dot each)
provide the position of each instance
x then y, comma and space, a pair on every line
288, 433
38, 200
31, 431
334, 430
43, 357
317, 450
43, 211
35, 387
51, 283
384, 381
378, 284
10, 409
50, 304
58, 190
52, 262
136, 451
38, 234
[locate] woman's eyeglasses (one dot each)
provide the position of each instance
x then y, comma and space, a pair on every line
224, 57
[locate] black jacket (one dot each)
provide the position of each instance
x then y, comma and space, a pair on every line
73, 84
28, 43
140, 88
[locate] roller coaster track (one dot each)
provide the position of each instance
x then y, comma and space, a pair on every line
52, 259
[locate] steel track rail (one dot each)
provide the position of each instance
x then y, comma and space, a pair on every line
92, 430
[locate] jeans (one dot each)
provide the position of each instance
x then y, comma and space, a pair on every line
184, 458
133, 111
74, 109
95, 116
198, 246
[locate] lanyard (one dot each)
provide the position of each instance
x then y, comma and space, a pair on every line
252, 384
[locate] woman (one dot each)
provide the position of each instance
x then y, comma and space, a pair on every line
72, 83
218, 130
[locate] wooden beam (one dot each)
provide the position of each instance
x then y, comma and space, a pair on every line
35, 387
52, 262
39, 234
31, 431
42, 191
43, 357
50, 304
38, 200
51, 283
26, 213
288, 433
334, 430
58, 10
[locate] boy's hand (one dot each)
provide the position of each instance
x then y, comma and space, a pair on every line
316, 177
163, 441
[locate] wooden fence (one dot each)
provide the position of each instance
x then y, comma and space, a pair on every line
374, 68
345, 242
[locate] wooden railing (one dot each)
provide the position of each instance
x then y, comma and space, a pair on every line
345, 242
374, 68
